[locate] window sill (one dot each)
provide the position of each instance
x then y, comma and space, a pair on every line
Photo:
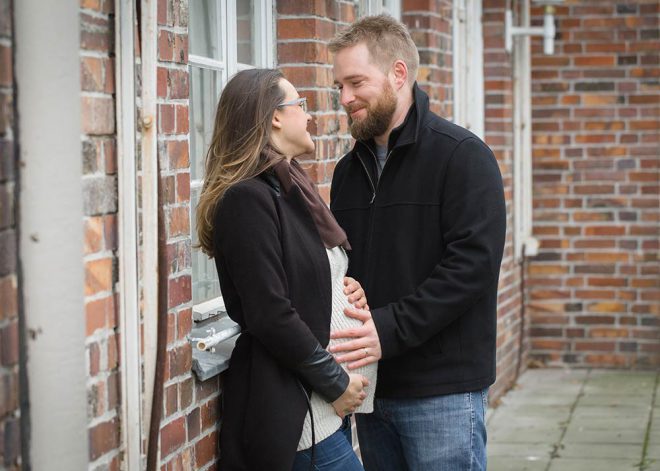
213, 361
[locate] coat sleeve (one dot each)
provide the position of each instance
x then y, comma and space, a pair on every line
473, 226
247, 239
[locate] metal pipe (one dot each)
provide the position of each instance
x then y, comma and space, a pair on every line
211, 341
149, 272
129, 320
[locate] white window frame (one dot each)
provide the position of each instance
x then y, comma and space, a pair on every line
376, 7
227, 67
468, 64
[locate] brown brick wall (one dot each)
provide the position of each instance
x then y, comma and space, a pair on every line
99, 164
430, 25
303, 32
189, 427
594, 288
10, 447
498, 102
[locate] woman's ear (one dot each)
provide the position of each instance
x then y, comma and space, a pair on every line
277, 122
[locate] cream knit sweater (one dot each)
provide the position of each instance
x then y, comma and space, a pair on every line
326, 421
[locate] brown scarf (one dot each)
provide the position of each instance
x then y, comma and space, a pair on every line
290, 174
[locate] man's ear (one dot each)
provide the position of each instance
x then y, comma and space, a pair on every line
277, 122
400, 72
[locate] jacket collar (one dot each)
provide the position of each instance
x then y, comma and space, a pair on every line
407, 132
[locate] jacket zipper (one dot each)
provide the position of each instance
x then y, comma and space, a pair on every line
374, 188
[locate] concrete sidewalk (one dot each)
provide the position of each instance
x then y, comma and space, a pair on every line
577, 420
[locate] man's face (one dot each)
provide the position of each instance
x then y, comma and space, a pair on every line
366, 92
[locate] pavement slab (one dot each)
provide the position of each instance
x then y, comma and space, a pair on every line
582, 420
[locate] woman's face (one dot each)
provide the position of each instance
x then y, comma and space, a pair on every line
290, 123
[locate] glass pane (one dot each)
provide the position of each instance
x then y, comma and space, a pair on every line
205, 283
204, 96
245, 32
204, 29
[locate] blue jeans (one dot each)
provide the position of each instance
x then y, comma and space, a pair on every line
335, 453
439, 433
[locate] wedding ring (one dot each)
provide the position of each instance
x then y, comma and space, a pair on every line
366, 352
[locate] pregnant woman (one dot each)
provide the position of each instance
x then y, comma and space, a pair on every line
281, 262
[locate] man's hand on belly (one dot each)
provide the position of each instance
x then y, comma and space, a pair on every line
363, 347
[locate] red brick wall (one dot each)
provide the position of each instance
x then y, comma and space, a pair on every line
594, 288
430, 25
99, 163
10, 447
189, 428
303, 32
498, 102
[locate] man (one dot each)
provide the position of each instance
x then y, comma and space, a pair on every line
422, 203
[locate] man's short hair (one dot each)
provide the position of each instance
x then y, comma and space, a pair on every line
387, 40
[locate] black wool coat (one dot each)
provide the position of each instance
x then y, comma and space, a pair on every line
275, 279
427, 240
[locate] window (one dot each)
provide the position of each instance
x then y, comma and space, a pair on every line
468, 66
375, 7
226, 36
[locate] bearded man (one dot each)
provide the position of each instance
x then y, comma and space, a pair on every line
422, 203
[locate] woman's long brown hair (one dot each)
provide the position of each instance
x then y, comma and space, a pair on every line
241, 131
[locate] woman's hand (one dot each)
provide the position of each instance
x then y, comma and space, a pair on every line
352, 397
356, 295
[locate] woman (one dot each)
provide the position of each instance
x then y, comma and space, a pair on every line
280, 259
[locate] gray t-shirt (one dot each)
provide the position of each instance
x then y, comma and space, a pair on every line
381, 157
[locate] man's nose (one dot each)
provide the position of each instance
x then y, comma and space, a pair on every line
347, 96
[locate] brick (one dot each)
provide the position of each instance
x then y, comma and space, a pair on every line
110, 231
305, 28
97, 313
113, 352
9, 347
204, 390
180, 360
98, 115
98, 276
585, 345
94, 355
170, 402
99, 195
184, 323
172, 436
209, 414
178, 84
206, 449
93, 239
166, 119
182, 119
103, 438
113, 391
178, 156
9, 296
6, 66
96, 33
178, 221
91, 74
186, 388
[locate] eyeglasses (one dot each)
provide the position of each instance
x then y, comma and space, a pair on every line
302, 102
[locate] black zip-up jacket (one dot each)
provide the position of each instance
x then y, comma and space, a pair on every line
427, 241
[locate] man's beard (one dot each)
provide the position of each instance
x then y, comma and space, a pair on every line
378, 118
